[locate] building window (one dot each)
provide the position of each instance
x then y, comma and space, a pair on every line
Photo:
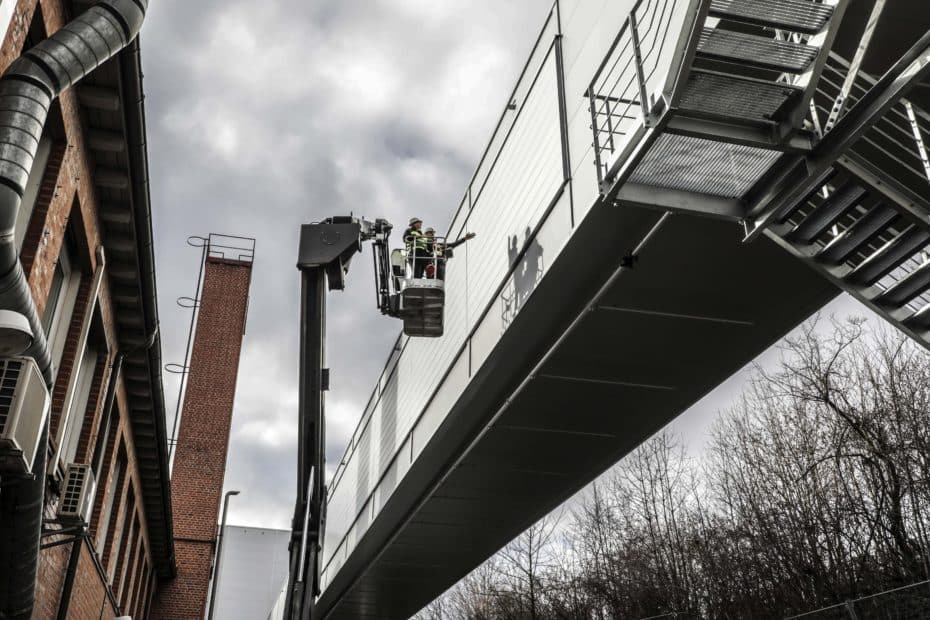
73, 422
129, 560
108, 516
116, 557
62, 296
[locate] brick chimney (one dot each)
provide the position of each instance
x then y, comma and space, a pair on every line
202, 442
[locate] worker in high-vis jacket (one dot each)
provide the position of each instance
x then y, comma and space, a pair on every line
417, 248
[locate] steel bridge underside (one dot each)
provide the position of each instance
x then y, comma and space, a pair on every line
697, 307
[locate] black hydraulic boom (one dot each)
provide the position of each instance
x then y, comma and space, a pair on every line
326, 251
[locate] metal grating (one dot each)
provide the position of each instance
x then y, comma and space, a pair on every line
9, 376
796, 15
732, 97
757, 51
703, 166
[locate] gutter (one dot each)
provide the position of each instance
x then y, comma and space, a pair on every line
131, 79
27, 90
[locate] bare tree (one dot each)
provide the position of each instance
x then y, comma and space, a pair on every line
814, 488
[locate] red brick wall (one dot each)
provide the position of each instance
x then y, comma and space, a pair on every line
203, 438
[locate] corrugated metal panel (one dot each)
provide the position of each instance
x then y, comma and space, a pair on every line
526, 178
704, 166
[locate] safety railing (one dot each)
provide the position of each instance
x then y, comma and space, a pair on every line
906, 603
423, 257
619, 97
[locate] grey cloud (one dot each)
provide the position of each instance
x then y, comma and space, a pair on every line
266, 115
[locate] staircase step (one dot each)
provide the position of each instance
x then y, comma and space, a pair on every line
860, 233
731, 97
920, 320
795, 15
787, 212
832, 209
904, 246
907, 289
756, 51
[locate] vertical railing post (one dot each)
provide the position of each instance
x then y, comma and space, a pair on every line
597, 141
640, 74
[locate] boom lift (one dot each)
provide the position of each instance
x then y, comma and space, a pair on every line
326, 251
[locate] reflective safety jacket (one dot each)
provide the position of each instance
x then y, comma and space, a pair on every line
414, 240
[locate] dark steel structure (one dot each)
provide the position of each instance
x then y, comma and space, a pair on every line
723, 132
326, 251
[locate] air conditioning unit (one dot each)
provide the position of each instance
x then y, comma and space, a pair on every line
77, 499
24, 406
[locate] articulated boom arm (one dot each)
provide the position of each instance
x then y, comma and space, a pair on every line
326, 251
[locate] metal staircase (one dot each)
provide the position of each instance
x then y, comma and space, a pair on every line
758, 121
867, 225
757, 61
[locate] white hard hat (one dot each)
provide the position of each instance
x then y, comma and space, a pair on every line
414, 220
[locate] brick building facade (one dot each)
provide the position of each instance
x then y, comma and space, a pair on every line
84, 237
83, 233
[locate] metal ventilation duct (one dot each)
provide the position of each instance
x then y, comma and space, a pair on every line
27, 90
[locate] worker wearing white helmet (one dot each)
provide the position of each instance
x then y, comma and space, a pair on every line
417, 248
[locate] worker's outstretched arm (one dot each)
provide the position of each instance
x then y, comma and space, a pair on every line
455, 244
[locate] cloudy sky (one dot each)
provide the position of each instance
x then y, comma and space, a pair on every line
265, 115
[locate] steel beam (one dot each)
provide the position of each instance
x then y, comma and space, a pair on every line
678, 201
731, 133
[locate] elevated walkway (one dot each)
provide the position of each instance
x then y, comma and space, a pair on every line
631, 256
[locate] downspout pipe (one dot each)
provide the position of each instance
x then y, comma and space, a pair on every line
27, 90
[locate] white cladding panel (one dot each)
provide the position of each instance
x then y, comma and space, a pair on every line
520, 206
252, 568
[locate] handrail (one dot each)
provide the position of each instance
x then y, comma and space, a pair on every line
621, 83
507, 110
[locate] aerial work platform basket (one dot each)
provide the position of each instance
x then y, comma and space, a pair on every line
419, 278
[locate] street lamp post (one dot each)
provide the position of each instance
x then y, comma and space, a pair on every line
219, 550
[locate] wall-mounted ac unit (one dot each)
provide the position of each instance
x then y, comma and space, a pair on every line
24, 405
77, 500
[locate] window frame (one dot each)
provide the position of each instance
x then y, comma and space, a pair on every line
33, 187
110, 501
65, 300
72, 421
